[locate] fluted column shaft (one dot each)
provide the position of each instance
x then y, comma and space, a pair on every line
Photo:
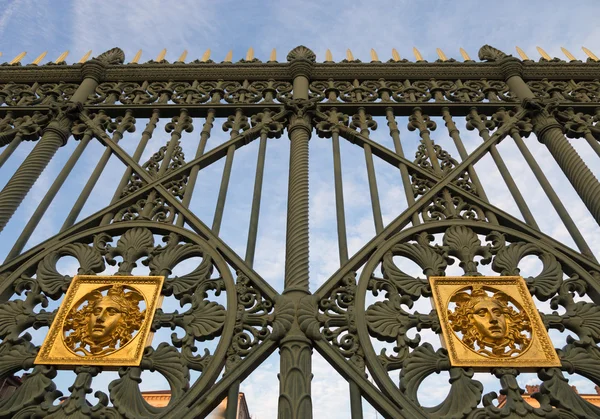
549, 132
295, 348
54, 136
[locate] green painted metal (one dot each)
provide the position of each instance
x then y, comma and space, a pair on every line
89, 102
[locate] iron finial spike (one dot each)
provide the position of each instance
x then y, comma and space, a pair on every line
229, 56
570, 56
0, 54
374, 56
522, 54
205, 56
161, 55
250, 54
590, 54
273, 56
441, 54
543, 53
349, 55
18, 58
85, 57
418, 55
465, 55
328, 56
183, 56
39, 58
137, 57
395, 55
61, 57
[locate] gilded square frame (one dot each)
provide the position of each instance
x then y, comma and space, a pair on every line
55, 352
540, 353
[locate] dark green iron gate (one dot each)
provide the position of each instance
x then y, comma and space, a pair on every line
149, 220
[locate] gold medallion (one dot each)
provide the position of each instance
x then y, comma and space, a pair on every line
103, 320
491, 322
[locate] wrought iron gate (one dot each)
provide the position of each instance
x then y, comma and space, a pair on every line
369, 302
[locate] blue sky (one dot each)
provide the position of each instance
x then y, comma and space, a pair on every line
56, 26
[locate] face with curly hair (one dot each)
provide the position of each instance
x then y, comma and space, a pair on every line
489, 325
106, 323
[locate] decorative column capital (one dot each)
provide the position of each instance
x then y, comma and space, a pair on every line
94, 69
511, 67
62, 118
301, 60
542, 114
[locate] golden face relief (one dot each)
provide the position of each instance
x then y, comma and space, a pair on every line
104, 323
490, 323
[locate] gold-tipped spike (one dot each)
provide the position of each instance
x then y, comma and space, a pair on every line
543, 53
161, 55
250, 54
465, 55
522, 54
205, 56
137, 57
85, 57
39, 58
349, 55
0, 54
374, 56
328, 56
61, 57
418, 55
570, 56
441, 54
229, 56
590, 54
183, 56
395, 55
18, 58
273, 56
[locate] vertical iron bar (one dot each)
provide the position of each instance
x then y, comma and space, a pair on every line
48, 198
552, 196
549, 132
10, 148
93, 179
137, 155
484, 133
191, 183
216, 226
255, 211
395, 133
455, 135
588, 137
339, 199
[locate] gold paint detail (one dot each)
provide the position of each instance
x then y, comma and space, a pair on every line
590, 54
570, 56
85, 57
61, 57
205, 56
328, 56
250, 54
395, 55
273, 56
229, 56
161, 55
183, 56
374, 56
137, 57
39, 58
490, 322
465, 55
441, 54
543, 53
522, 54
103, 320
418, 55
18, 58
349, 55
